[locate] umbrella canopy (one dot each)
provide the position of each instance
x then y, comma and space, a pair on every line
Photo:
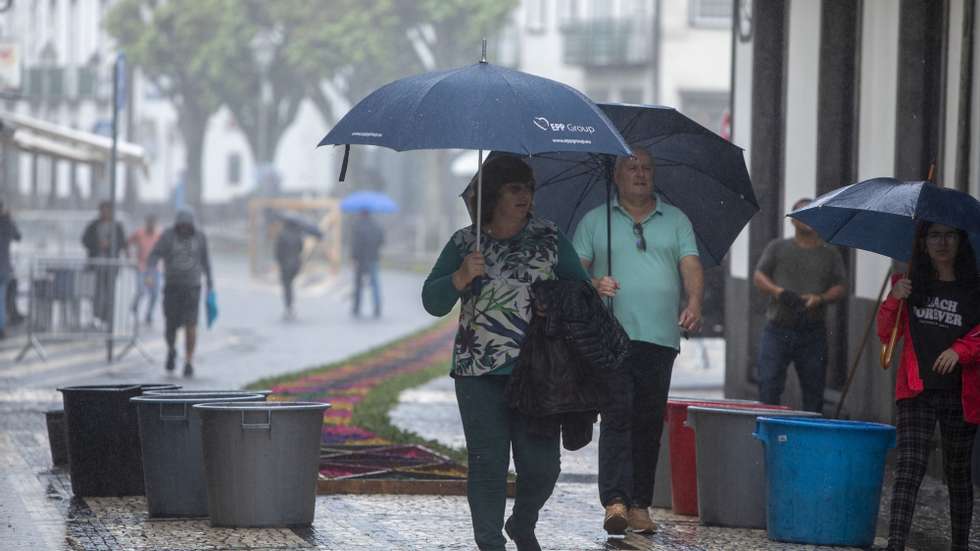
481, 106
880, 215
304, 224
370, 201
696, 170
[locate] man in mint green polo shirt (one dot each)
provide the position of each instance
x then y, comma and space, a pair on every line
654, 255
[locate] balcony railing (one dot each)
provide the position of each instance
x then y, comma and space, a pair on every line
608, 42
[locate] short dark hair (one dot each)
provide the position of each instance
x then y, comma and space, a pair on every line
497, 172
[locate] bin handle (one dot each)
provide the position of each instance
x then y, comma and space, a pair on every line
181, 417
258, 426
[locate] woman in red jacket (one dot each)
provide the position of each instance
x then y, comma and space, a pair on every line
939, 372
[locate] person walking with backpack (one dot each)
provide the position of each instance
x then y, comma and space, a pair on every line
183, 249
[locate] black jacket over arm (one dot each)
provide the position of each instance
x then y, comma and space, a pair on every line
560, 377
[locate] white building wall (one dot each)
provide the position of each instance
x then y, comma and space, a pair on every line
954, 56
802, 86
876, 132
691, 58
742, 136
975, 110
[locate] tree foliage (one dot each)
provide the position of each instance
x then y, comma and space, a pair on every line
200, 55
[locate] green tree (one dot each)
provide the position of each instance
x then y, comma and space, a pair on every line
169, 42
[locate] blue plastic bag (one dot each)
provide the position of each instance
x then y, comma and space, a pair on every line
212, 306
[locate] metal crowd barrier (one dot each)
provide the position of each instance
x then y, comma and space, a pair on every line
75, 299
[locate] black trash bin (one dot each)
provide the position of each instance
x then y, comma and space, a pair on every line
103, 440
57, 439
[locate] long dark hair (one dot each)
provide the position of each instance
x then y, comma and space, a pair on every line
923, 274
497, 172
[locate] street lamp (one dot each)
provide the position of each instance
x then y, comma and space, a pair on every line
264, 46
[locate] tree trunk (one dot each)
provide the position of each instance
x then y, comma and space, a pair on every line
193, 129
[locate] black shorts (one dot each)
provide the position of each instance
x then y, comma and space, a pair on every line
181, 305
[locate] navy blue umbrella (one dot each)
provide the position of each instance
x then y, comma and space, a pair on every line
880, 215
483, 107
696, 170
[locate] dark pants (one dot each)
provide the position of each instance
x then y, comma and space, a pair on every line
103, 300
632, 421
806, 348
287, 276
181, 307
917, 419
369, 270
491, 430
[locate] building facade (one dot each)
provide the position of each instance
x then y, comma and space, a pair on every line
827, 93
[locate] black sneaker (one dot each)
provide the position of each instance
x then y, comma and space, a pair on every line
188, 369
171, 360
523, 542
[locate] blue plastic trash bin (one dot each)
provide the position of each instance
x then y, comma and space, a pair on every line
823, 479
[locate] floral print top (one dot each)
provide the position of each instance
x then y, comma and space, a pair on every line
496, 309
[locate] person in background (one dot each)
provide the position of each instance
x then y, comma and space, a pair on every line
801, 275
289, 257
184, 252
656, 256
101, 245
366, 240
8, 234
143, 240
494, 289
938, 375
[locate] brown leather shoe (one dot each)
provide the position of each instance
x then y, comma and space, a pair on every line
615, 521
640, 522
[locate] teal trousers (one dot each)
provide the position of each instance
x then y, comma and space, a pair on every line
492, 430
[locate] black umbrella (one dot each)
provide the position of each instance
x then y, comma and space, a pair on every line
696, 170
303, 223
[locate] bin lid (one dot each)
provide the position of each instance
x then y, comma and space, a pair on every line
834, 424
101, 388
262, 406
168, 392
754, 412
194, 398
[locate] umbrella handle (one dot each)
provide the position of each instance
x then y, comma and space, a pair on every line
889, 349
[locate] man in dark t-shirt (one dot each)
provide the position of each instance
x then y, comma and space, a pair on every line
801, 275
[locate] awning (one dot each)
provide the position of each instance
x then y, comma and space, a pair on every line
38, 136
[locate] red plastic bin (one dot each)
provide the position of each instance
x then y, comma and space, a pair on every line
683, 457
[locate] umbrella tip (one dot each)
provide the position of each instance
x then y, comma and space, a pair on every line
483, 57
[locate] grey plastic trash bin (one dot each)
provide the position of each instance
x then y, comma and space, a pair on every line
731, 464
661, 479
170, 440
261, 461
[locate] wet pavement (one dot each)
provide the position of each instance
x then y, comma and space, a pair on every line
38, 512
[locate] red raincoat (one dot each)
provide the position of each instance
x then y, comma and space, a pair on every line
908, 384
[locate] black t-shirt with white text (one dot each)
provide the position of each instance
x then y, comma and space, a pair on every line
949, 312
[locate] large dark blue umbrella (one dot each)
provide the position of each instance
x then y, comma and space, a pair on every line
696, 170
880, 215
482, 107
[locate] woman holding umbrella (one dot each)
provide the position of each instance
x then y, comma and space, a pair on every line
938, 303
494, 287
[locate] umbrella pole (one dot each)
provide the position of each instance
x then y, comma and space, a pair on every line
887, 351
609, 225
479, 197
864, 344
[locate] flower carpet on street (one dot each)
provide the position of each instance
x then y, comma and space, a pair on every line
351, 451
